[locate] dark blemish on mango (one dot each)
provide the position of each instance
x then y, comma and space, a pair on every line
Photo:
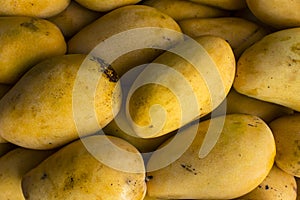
106, 69
189, 168
148, 178
163, 17
30, 25
259, 186
296, 48
166, 38
44, 176
266, 187
130, 182
69, 183
252, 125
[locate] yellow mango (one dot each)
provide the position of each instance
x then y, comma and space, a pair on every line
238, 103
73, 172
13, 166
277, 185
47, 106
179, 10
105, 5
287, 137
33, 8
171, 91
240, 33
269, 69
25, 41
240, 160
279, 14
224, 4
122, 20
74, 18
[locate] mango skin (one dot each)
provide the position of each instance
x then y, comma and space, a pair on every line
37, 112
180, 10
74, 173
142, 144
277, 185
105, 5
3, 90
147, 121
239, 32
279, 14
121, 20
13, 165
24, 42
269, 69
238, 103
224, 4
243, 137
287, 137
33, 8
74, 18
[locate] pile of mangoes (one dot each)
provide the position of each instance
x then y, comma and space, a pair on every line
149, 99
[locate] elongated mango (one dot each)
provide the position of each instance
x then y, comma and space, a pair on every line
74, 172
3, 90
269, 69
180, 10
47, 107
237, 103
13, 166
277, 185
173, 90
33, 8
286, 133
105, 5
224, 4
240, 33
122, 20
74, 18
274, 12
241, 159
25, 41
